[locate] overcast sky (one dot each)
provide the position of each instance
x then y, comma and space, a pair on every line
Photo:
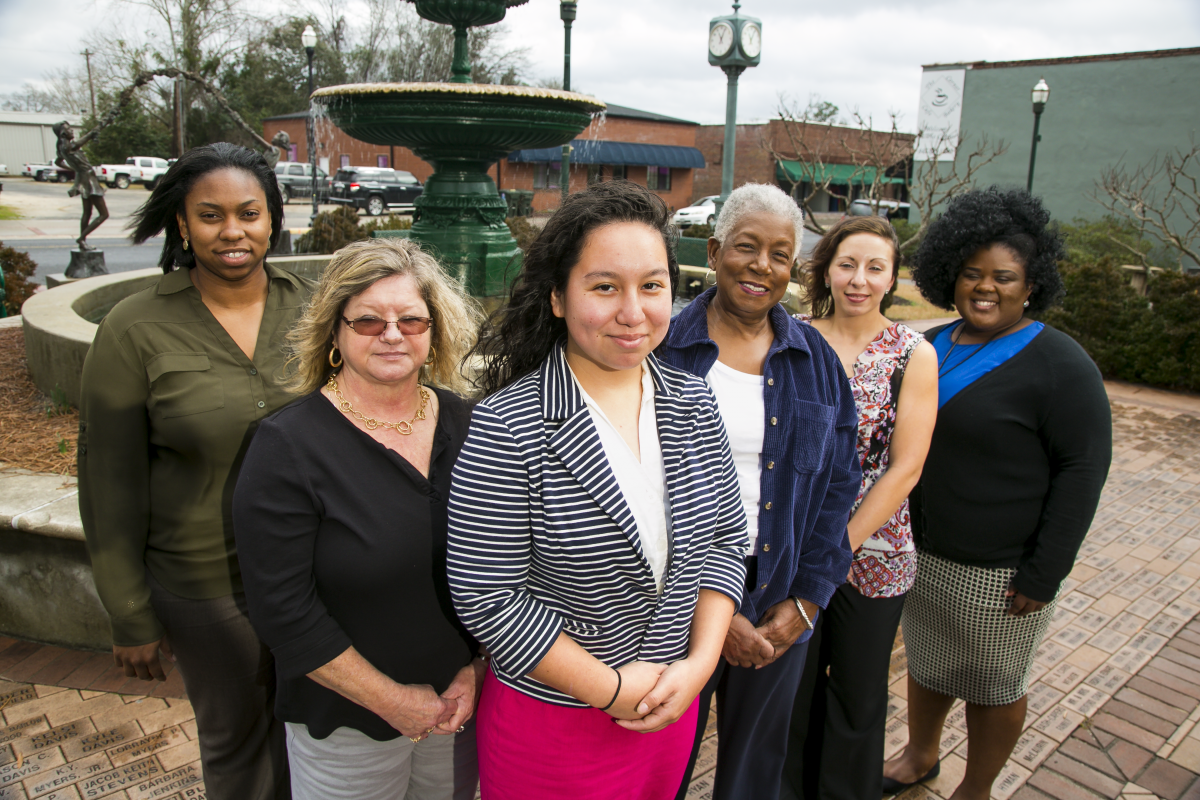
651, 54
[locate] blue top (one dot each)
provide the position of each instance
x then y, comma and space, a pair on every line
970, 362
810, 467
542, 541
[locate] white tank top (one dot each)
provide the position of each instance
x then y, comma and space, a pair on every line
740, 401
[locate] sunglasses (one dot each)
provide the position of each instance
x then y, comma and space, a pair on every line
374, 326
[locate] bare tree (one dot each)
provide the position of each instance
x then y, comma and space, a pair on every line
814, 144
1161, 198
935, 181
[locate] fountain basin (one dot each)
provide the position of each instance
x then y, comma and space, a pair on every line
461, 129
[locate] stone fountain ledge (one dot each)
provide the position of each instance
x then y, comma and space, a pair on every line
46, 589
57, 336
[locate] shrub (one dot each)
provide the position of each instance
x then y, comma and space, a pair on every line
523, 231
1153, 339
697, 231
18, 268
331, 231
389, 223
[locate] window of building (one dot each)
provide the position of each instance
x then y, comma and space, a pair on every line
345, 161
546, 175
618, 172
595, 174
382, 162
658, 178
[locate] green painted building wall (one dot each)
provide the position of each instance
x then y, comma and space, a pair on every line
1102, 110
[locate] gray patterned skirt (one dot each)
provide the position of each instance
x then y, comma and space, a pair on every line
957, 638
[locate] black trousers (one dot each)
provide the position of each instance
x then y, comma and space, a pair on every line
230, 679
753, 708
835, 744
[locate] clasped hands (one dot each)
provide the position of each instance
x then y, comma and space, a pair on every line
419, 711
749, 646
653, 696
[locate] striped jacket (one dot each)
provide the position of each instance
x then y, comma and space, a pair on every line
541, 539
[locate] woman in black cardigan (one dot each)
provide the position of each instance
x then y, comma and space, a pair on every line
1019, 456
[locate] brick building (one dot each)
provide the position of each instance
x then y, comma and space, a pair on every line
647, 148
769, 153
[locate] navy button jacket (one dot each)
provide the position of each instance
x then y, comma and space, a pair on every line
816, 476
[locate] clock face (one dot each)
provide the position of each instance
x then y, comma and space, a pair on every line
720, 39
751, 40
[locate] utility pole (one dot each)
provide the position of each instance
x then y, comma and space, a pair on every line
87, 56
567, 10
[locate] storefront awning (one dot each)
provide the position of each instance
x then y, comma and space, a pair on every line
798, 172
592, 151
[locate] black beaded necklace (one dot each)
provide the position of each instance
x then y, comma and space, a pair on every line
982, 347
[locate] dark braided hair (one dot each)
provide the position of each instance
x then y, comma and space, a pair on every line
518, 337
981, 218
158, 214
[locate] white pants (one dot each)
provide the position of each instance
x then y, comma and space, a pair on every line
350, 765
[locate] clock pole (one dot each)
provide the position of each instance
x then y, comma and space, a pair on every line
730, 134
734, 43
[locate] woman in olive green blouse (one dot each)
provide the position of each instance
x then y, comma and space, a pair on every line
175, 383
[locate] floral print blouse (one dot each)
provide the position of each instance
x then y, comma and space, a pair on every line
886, 563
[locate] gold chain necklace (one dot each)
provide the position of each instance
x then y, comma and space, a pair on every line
403, 428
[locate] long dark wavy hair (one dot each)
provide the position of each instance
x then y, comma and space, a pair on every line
158, 214
517, 338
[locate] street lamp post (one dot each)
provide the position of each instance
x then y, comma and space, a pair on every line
309, 40
1040, 94
566, 10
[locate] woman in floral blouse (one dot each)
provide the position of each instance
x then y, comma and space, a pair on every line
839, 713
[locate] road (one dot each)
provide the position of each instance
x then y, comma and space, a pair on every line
49, 224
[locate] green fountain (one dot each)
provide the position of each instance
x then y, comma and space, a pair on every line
461, 128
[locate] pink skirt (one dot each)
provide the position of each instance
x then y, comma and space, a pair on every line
530, 750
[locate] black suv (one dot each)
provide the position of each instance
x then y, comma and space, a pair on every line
376, 189
295, 180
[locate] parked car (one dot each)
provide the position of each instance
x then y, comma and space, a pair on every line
892, 209
702, 212
295, 180
47, 172
118, 175
150, 169
3, 169
375, 189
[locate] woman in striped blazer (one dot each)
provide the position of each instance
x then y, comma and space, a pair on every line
595, 527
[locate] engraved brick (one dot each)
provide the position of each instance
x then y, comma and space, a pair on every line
29, 767
163, 785
147, 745
53, 737
121, 778
21, 729
101, 740
59, 778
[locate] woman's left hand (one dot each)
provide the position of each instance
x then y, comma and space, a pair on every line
670, 698
782, 625
1021, 605
464, 690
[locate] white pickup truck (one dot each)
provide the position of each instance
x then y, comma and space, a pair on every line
136, 169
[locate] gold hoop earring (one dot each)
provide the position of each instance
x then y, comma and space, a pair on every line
332, 363
432, 355
185, 243
710, 277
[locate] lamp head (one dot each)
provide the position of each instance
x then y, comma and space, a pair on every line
309, 38
566, 10
1040, 95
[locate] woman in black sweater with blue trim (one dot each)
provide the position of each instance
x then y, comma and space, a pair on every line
1019, 456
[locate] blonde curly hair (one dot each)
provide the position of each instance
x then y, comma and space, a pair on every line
354, 269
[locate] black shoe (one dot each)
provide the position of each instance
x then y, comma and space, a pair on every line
893, 786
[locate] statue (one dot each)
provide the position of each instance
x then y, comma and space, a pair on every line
87, 185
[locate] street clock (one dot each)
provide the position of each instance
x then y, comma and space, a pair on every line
734, 40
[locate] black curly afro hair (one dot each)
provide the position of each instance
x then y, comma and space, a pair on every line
983, 217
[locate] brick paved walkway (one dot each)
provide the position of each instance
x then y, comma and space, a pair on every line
1113, 707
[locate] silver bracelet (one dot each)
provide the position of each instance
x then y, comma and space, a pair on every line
803, 613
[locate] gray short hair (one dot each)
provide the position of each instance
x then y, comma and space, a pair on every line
758, 198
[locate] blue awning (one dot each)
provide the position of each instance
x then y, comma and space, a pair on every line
592, 151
